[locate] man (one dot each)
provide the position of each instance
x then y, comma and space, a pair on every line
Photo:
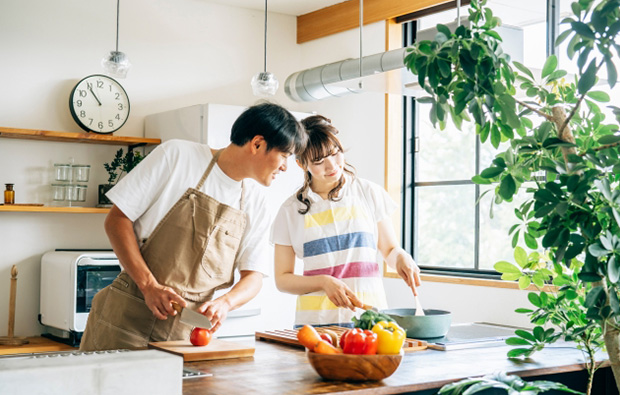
182, 222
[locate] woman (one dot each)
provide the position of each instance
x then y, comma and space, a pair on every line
335, 223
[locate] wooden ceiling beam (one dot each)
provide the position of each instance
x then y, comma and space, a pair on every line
344, 16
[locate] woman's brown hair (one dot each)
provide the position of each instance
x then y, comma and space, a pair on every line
322, 141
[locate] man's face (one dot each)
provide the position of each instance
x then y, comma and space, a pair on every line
271, 163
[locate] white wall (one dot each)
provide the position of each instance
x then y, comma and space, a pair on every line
183, 52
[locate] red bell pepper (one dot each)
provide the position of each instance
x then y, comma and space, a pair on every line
359, 341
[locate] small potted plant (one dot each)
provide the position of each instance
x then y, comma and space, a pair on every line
120, 165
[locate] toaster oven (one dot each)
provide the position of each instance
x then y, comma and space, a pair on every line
69, 281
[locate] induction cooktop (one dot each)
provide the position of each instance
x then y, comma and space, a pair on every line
473, 335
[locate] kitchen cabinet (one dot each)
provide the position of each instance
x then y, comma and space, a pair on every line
67, 137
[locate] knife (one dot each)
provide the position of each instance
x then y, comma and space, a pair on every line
191, 317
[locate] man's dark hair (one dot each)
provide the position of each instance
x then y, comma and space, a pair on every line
275, 123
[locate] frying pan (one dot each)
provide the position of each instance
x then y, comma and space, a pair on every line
435, 323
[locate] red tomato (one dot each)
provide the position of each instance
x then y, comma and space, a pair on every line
200, 337
327, 338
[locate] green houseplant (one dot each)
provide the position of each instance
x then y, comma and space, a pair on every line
559, 148
121, 164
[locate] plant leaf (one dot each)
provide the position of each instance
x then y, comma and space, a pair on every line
507, 187
506, 267
599, 96
550, 65
588, 78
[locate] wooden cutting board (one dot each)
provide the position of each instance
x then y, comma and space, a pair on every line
216, 349
289, 337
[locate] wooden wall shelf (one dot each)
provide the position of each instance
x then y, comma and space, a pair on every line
53, 209
67, 137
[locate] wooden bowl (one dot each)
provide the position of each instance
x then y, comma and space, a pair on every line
350, 367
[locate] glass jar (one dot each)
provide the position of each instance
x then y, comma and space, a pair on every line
81, 173
58, 192
81, 193
9, 194
71, 192
62, 172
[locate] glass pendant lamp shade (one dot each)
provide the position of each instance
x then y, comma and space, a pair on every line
116, 64
264, 84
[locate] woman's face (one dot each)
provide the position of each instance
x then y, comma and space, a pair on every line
328, 169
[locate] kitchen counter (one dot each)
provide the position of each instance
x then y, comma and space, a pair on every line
280, 369
36, 344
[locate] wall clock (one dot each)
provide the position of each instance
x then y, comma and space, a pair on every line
99, 104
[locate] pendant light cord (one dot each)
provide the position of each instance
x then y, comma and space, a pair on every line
265, 41
118, 5
361, 27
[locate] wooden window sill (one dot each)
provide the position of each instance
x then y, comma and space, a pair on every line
478, 282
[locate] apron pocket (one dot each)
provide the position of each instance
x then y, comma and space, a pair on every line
219, 258
128, 319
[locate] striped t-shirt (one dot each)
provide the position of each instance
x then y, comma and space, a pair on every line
338, 239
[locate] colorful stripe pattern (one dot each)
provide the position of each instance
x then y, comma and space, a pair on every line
347, 270
340, 241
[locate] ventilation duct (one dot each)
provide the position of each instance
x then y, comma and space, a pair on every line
344, 77
323, 81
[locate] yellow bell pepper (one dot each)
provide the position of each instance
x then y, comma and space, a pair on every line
391, 337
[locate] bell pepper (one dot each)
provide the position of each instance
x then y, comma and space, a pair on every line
391, 337
359, 341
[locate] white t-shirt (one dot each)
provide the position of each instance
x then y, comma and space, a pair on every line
337, 238
289, 226
148, 192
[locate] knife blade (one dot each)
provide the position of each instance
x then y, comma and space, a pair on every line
191, 317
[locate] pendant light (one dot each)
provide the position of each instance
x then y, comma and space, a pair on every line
116, 63
264, 83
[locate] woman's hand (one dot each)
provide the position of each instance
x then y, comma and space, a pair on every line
216, 311
339, 293
408, 270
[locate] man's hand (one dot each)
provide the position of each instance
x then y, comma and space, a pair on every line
216, 311
159, 300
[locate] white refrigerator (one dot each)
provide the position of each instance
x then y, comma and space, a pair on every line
211, 124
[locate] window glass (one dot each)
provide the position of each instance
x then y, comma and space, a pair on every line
448, 229
445, 221
444, 155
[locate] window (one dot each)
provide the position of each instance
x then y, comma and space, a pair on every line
443, 226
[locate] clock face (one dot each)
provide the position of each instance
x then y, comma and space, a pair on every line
99, 104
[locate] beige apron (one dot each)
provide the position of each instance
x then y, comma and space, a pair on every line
192, 250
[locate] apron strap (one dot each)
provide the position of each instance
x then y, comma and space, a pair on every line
206, 173
241, 201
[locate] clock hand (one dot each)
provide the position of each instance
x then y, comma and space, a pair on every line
95, 96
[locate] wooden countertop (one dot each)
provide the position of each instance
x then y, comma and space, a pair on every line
36, 344
279, 369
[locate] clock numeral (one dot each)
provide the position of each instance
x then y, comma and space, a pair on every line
82, 93
78, 103
120, 106
118, 117
110, 123
82, 114
117, 96
99, 84
90, 121
89, 85
100, 125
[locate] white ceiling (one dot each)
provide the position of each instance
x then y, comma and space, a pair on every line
289, 7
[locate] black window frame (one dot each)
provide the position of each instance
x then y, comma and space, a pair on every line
410, 145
